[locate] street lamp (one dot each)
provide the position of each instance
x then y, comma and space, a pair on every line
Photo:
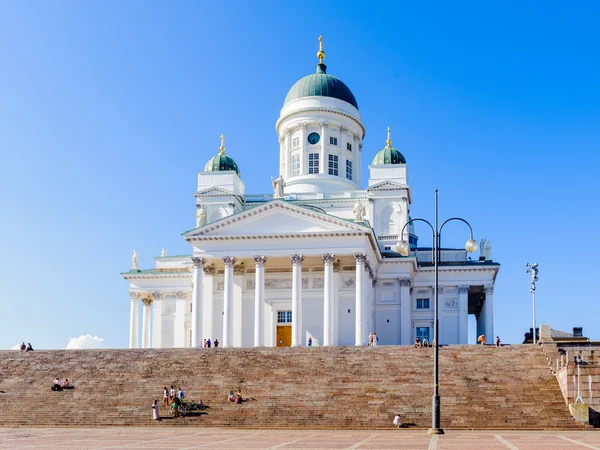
403, 248
533, 270
578, 361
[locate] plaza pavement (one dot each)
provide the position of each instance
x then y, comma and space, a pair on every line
214, 438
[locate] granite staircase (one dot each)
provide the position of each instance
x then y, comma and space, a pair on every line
509, 387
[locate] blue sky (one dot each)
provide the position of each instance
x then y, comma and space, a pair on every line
108, 109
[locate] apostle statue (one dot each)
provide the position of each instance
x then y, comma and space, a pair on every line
482, 248
200, 216
278, 185
488, 251
134, 261
359, 212
163, 252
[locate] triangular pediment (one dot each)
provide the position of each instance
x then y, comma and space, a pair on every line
277, 218
387, 186
214, 192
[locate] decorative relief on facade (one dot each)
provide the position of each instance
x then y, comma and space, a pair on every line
388, 284
181, 295
158, 295
220, 285
463, 289
489, 289
297, 259
349, 268
318, 283
451, 303
250, 284
422, 291
328, 258
349, 282
229, 261
405, 282
304, 283
168, 308
210, 270
238, 269
278, 270
278, 283
260, 260
440, 290
198, 262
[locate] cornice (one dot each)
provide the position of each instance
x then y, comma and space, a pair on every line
148, 276
322, 109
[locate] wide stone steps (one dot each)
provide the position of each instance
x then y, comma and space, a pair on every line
357, 387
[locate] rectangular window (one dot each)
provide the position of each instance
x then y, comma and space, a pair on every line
190, 338
333, 140
313, 163
284, 317
191, 306
296, 142
333, 164
349, 169
295, 165
422, 303
348, 146
423, 333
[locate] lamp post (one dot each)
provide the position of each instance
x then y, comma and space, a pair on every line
578, 361
533, 270
403, 247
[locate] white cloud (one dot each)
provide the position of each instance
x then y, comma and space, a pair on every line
85, 341
16, 347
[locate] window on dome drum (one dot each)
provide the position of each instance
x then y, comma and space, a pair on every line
423, 333
348, 146
333, 165
295, 165
333, 140
349, 169
296, 142
313, 163
191, 306
284, 317
422, 303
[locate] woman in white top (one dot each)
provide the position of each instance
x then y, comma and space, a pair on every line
165, 397
398, 421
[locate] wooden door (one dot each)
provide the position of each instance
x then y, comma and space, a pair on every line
284, 336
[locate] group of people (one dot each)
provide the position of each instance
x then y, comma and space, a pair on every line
373, 339
207, 343
172, 398
60, 385
235, 398
419, 343
481, 340
26, 348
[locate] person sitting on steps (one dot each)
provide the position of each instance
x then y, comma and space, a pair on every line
417, 343
29, 348
425, 343
397, 421
56, 385
231, 397
238, 396
23, 347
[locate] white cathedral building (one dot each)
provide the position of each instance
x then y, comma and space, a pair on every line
316, 258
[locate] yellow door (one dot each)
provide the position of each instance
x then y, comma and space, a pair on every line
284, 336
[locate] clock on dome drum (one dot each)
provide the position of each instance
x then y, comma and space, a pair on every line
313, 138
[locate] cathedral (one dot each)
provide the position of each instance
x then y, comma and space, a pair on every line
320, 259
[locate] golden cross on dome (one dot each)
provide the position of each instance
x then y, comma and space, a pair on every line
222, 144
389, 141
321, 53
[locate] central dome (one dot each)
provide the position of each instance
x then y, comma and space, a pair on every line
321, 84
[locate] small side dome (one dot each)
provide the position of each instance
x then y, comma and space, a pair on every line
413, 239
388, 155
221, 162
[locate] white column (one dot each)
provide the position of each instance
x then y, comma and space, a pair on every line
180, 309
488, 310
328, 299
361, 260
146, 322
207, 303
157, 319
236, 314
259, 300
356, 169
303, 153
197, 301
405, 312
229, 261
322, 163
134, 319
297, 300
463, 311
343, 152
335, 327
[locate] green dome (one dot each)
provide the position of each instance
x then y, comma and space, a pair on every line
221, 162
388, 155
321, 84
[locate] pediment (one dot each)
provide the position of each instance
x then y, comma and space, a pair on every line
215, 192
277, 218
387, 186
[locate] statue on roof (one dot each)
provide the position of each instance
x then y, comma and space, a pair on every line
278, 185
200, 216
163, 252
359, 212
134, 261
488, 251
482, 248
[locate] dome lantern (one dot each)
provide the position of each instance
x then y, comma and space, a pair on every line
221, 162
388, 155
